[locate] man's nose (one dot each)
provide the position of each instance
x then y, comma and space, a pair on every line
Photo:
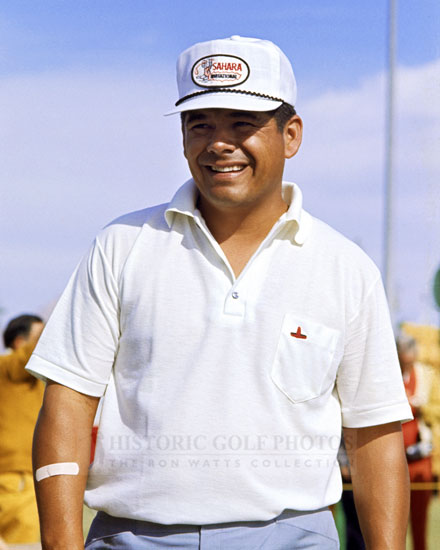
221, 141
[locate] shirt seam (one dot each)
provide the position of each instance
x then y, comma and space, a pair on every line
118, 280
364, 301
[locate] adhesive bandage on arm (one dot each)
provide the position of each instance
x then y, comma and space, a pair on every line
59, 469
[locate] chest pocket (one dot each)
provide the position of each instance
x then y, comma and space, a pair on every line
304, 365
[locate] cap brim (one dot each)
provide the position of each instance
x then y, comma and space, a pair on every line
221, 100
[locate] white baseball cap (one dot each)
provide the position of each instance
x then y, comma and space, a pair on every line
247, 74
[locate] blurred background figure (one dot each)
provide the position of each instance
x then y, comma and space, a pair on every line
21, 396
428, 353
416, 435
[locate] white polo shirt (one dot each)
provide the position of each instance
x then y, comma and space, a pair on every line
224, 396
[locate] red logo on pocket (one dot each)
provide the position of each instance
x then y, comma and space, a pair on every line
298, 334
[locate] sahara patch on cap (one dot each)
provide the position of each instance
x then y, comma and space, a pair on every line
241, 73
220, 70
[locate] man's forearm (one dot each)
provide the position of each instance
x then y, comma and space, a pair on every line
63, 434
380, 484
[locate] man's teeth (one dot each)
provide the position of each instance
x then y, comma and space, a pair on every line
227, 168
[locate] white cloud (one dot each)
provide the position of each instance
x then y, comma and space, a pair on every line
86, 146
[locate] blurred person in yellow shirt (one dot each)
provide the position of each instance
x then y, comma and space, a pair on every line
20, 400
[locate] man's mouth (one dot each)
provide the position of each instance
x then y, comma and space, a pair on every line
224, 169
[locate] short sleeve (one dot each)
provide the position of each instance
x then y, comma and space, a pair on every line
79, 344
369, 380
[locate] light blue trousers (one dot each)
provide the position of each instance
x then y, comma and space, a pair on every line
289, 531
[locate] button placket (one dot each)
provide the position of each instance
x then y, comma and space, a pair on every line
235, 303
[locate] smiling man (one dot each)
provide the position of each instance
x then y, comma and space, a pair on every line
232, 335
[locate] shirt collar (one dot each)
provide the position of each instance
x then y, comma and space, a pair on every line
185, 202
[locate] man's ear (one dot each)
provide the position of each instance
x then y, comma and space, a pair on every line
292, 134
183, 128
183, 145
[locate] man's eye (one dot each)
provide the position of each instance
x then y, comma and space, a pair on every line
243, 124
199, 126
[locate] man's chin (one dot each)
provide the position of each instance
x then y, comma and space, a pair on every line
227, 196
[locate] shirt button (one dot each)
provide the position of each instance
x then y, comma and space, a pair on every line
235, 295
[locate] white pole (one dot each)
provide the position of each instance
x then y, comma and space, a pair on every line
388, 244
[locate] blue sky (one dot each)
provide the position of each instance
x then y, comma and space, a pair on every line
83, 85
333, 41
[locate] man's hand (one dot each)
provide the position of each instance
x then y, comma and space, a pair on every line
380, 484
